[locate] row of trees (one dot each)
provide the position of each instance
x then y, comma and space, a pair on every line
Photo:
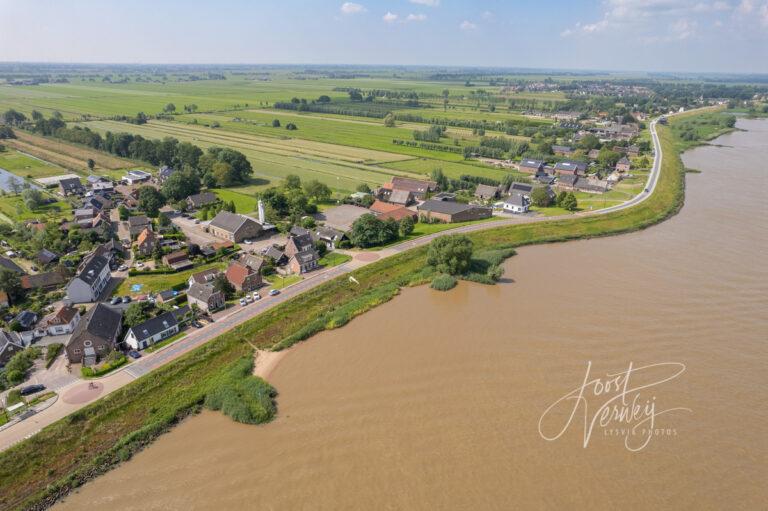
369, 231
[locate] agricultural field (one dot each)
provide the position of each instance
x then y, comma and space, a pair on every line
26, 166
13, 209
453, 170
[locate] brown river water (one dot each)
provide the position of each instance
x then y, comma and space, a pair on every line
434, 400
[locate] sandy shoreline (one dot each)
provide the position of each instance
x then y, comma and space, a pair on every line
266, 361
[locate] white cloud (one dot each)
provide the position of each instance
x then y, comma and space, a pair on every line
429, 3
416, 17
467, 25
746, 6
487, 15
351, 8
390, 17
682, 29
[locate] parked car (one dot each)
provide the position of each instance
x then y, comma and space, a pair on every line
256, 295
115, 300
35, 268
139, 265
247, 242
134, 354
31, 389
197, 324
122, 267
248, 298
243, 302
274, 292
197, 221
126, 299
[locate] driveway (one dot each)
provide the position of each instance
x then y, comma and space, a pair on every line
194, 232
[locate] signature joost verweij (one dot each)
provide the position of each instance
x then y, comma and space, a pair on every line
619, 404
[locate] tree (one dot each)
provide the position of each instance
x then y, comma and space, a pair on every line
150, 201
321, 248
224, 174
123, 212
324, 99
608, 158
560, 198
406, 226
181, 184
450, 254
369, 231
136, 313
389, 120
540, 197
308, 222
91, 164
589, 142
169, 108
163, 220
157, 252
222, 284
569, 202
291, 126
292, 182
10, 282
318, 191
13, 118
33, 198
364, 188
276, 123
438, 177
6, 132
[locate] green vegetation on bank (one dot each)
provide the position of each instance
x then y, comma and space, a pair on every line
108, 431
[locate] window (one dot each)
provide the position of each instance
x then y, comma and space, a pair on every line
77, 351
101, 347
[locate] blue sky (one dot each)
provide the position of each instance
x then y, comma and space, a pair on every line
651, 35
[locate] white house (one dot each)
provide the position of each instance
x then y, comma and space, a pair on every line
516, 203
64, 322
151, 331
136, 176
91, 279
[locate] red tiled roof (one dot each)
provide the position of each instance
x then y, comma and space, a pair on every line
398, 214
237, 273
384, 207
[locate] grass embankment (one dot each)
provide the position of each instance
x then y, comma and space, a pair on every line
91, 441
25, 166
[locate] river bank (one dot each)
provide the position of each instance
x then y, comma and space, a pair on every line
432, 400
126, 421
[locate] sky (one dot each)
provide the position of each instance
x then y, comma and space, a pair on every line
624, 35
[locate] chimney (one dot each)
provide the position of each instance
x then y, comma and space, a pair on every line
262, 220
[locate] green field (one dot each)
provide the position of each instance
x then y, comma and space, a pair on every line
161, 282
14, 209
26, 166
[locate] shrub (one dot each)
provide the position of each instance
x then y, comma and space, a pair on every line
51, 352
113, 363
443, 282
241, 396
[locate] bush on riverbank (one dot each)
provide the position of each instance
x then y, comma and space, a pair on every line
241, 396
443, 282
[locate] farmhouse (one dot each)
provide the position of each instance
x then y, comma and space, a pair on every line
204, 277
623, 165
200, 200
418, 188
569, 167
64, 321
205, 296
276, 255
401, 197
94, 336
520, 189
299, 243
566, 182
10, 344
486, 192
136, 224
136, 176
234, 227
146, 242
591, 185
516, 203
331, 237
90, 280
449, 211
303, 262
71, 186
562, 150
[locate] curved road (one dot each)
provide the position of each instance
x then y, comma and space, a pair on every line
239, 315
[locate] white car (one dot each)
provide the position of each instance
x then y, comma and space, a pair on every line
139, 265
256, 296
122, 267
243, 302
247, 242
248, 298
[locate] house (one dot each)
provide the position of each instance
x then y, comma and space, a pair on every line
520, 189
95, 335
342, 217
486, 192
573, 168
277, 255
138, 223
178, 260
204, 277
234, 227
93, 179
103, 186
92, 278
242, 277
45, 281
7, 264
71, 186
26, 319
591, 185
10, 344
136, 176
623, 165
562, 150
98, 202
566, 182
331, 237
199, 200
111, 249
146, 242
85, 215
516, 203
64, 322
4, 301
164, 173
545, 179
205, 297
151, 331
401, 197
45, 256
303, 262
449, 211
298, 244
417, 187
166, 296
531, 166
593, 154
398, 214
633, 151
254, 262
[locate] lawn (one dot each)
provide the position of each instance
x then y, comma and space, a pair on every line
165, 342
160, 282
423, 229
278, 282
334, 259
13, 207
243, 203
27, 167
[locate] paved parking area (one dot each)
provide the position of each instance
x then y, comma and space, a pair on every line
194, 232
